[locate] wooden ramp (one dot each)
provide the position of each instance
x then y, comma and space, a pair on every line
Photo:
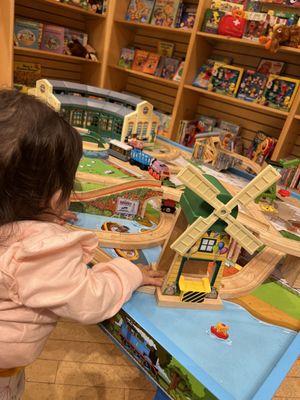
252, 275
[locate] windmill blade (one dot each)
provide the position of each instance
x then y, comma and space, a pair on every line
193, 233
242, 235
256, 187
195, 181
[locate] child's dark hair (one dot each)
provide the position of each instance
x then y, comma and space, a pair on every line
39, 155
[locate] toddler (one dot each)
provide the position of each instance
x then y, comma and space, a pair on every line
43, 272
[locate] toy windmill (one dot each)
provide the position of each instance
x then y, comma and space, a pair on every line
195, 181
191, 282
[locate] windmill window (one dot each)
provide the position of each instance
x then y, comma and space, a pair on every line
207, 245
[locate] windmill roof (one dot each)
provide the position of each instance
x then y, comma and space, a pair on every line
194, 206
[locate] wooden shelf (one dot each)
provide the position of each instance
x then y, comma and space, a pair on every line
242, 103
65, 7
163, 81
53, 56
136, 25
245, 42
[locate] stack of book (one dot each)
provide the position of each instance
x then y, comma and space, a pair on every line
161, 65
290, 175
53, 38
168, 13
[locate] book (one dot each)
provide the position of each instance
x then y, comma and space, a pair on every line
203, 77
26, 74
140, 58
252, 86
226, 6
229, 127
165, 48
188, 15
97, 6
70, 35
165, 13
225, 79
179, 15
211, 20
256, 26
126, 58
167, 67
178, 74
209, 122
267, 67
140, 11
27, 33
279, 92
53, 39
151, 63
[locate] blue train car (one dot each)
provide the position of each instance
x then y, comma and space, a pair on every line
141, 159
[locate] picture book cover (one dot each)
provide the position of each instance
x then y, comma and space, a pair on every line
188, 16
53, 39
140, 11
256, 26
252, 86
140, 58
203, 77
209, 122
70, 35
26, 74
178, 74
211, 20
280, 92
229, 127
27, 33
267, 67
167, 67
151, 63
165, 13
253, 6
165, 48
126, 58
225, 79
226, 6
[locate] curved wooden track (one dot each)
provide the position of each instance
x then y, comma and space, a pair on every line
252, 274
141, 240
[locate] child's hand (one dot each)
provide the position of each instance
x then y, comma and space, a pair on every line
153, 278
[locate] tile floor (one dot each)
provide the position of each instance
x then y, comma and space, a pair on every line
81, 363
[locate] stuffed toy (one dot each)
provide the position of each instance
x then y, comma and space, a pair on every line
282, 35
77, 49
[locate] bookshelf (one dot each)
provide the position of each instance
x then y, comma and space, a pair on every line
109, 33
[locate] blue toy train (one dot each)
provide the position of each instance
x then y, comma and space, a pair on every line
141, 350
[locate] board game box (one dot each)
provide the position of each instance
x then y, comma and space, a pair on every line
225, 79
252, 86
280, 92
165, 12
27, 33
126, 58
53, 39
151, 63
140, 58
140, 11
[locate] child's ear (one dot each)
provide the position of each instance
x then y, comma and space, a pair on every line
55, 202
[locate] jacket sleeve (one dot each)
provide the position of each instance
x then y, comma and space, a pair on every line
52, 274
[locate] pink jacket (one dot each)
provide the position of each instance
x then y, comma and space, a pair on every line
43, 276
